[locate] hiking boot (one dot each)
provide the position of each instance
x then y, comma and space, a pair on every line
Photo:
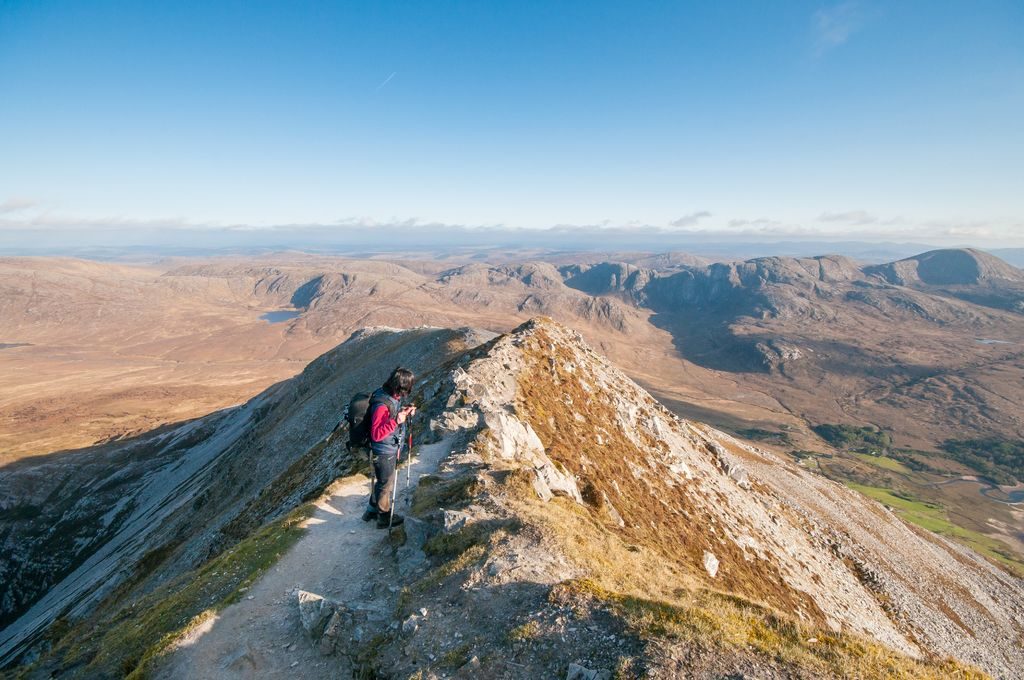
370, 513
384, 519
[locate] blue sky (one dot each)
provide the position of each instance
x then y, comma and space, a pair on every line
811, 120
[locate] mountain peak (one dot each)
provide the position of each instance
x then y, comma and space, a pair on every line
955, 266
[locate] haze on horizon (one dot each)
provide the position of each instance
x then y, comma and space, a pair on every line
235, 124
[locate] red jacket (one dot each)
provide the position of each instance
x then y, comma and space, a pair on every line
381, 423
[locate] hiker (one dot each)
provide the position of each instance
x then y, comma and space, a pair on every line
387, 420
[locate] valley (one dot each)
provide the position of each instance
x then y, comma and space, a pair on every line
99, 356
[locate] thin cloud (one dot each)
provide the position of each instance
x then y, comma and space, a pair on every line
759, 223
967, 228
834, 26
690, 220
52, 222
13, 205
849, 217
386, 81
861, 218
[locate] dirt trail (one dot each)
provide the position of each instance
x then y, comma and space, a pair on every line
261, 636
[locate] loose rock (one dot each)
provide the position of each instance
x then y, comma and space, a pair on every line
314, 611
578, 672
710, 564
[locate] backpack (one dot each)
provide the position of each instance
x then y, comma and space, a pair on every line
358, 421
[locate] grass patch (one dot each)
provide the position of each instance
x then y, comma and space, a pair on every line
720, 620
440, 573
527, 631
432, 492
884, 462
920, 461
449, 545
459, 550
626, 669
367, 657
932, 516
127, 644
456, 657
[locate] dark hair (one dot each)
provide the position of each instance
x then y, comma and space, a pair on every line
400, 382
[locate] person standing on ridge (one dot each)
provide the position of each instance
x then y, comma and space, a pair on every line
388, 423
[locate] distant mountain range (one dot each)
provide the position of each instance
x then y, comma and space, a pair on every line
450, 244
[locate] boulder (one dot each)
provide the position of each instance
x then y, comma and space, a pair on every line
578, 672
455, 420
455, 520
410, 625
740, 476
417, 532
410, 555
556, 481
314, 612
323, 620
332, 633
710, 564
514, 439
541, 487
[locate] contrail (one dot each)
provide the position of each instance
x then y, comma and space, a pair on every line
386, 81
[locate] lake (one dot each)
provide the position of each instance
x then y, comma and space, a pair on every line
283, 315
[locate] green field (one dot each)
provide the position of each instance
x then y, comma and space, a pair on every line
933, 517
884, 462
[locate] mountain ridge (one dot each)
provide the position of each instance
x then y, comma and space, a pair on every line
555, 459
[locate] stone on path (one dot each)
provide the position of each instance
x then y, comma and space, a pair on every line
323, 619
578, 672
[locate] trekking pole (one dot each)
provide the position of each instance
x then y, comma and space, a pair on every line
373, 478
408, 465
394, 487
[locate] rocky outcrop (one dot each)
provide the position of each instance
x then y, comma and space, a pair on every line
609, 278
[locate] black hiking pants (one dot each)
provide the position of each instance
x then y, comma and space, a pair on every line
384, 475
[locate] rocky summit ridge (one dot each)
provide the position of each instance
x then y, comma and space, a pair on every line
570, 524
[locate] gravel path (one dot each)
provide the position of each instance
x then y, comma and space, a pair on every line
261, 636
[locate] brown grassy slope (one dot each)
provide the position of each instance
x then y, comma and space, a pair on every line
908, 577
661, 515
